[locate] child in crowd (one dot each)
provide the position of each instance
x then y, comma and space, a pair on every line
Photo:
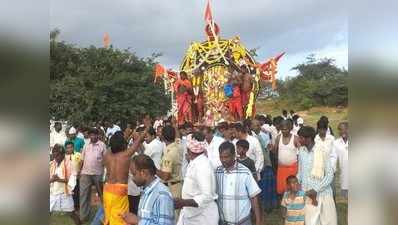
293, 202
242, 146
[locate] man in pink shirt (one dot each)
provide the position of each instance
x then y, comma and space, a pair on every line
92, 171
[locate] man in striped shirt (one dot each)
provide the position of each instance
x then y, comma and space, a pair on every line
237, 190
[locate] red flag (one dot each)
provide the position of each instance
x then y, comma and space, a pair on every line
279, 56
208, 13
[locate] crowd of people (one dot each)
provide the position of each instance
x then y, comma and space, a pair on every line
160, 172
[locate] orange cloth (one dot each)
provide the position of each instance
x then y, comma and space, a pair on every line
244, 98
281, 175
183, 101
235, 104
115, 203
180, 82
235, 107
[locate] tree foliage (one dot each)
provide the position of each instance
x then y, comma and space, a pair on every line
319, 83
91, 84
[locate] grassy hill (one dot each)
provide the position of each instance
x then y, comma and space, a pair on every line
310, 116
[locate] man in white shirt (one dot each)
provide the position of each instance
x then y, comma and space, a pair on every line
255, 152
340, 147
213, 143
58, 136
273, 129
326, 141
153, 147
111, 129
199, 188
297, 125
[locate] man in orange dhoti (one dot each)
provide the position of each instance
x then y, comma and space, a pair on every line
286, 146
183, 89
117, 164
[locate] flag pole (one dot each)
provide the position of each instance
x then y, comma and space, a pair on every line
211, 25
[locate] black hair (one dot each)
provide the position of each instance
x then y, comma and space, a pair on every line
322, 124
93, 131
168, 133
240, 128
208, 129
69, 143
58, 124
183, 72
144, 162
58, 147
243, 143
199, 136
307, 132
294, 118
261, 118
288, 122
284, 112
140, 129
187, 125
291, 112
325, 119
246, 124
290, 178
227, 146
117, 142
151, 131
277, 120
268, 120
222, 125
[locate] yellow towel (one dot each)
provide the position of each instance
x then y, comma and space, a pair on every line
115, 203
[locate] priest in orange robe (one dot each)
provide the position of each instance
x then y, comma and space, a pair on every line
183, 89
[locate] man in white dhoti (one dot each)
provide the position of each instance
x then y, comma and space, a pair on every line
199, 188
315, 174
61, 187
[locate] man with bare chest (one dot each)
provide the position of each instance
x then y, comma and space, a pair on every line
117, 162
246, 86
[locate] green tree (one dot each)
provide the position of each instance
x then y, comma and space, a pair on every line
90, 84
319, 83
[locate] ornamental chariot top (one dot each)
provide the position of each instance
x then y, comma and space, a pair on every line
219, 80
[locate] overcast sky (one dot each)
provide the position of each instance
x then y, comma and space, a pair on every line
146, 26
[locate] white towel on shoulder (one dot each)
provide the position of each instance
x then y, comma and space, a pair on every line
318, 163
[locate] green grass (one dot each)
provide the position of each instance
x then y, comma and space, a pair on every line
275, 218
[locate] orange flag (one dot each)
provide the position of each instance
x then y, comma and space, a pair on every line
159, 71
106, 40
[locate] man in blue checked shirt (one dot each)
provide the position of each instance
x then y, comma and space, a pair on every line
156, 205
315, 174
237, 190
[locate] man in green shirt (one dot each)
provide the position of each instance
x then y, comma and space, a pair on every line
78, 143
